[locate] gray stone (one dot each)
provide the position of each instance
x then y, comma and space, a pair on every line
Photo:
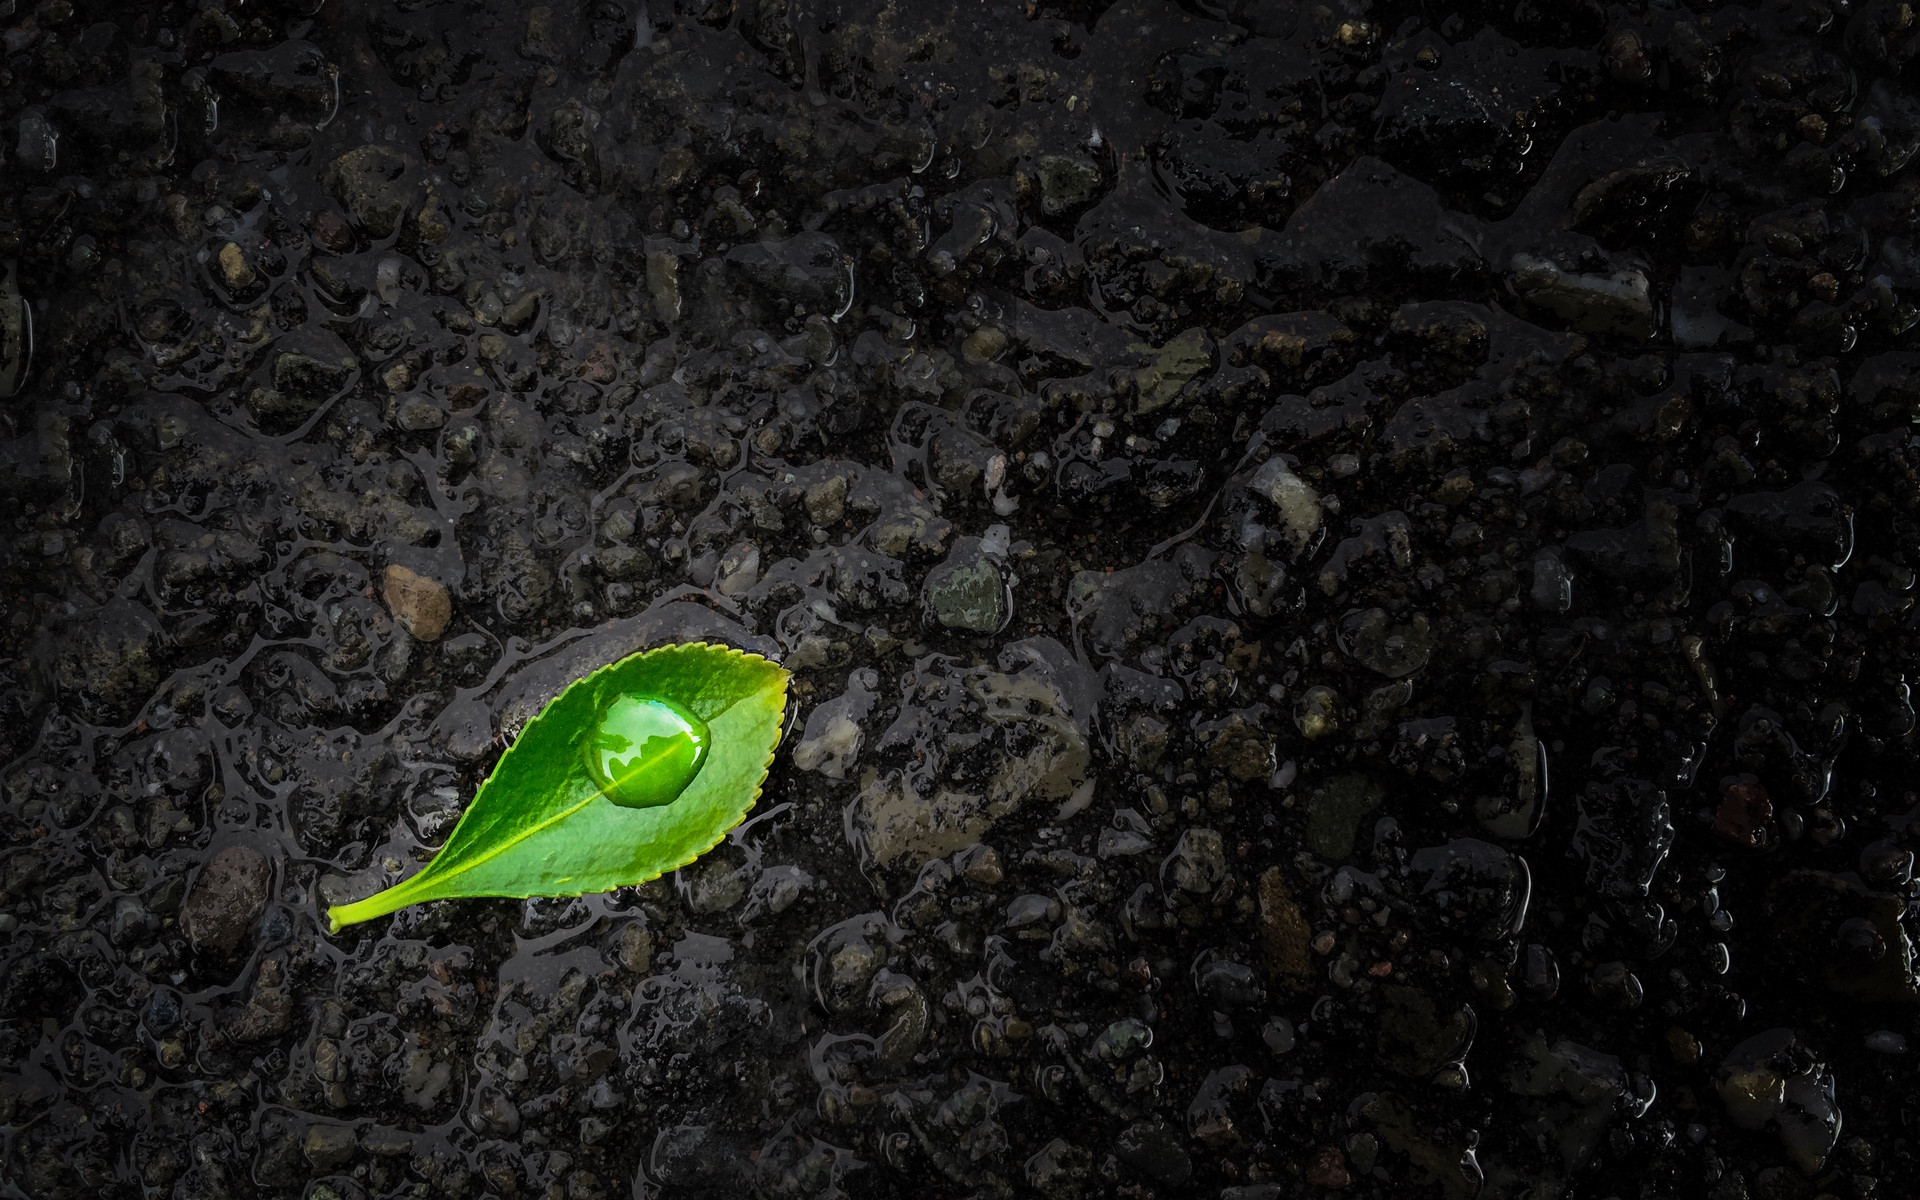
313, 375
1293, 498
966, 591
634, 947
1066, 182
1618, 302
1059, 1168
827, 500
1198, 862
269, 1009
1394, 650
1175, 364
417, 414
808, 268
738, 571
1240, 745
226, 897
376, 185
329, 1147
623, 562
1037, 745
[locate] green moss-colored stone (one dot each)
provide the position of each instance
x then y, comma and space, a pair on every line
969, 596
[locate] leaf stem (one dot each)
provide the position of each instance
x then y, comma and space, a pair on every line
387, 900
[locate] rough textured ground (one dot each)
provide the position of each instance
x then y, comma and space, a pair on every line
1349, 570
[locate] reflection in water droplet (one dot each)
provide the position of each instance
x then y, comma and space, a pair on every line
646, 751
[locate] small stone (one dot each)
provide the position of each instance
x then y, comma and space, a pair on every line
1886, 1041
312, 378
1284, 935
330, 232
1198, 862
832, 749
1455, 488
1066, 183
421, 1080
827, 500
814, 651
421, 605
1293, 498
16, 336
1613, 983
269, 1009
635, 948
896, 824
739, 570
432, 221
1328, 1169
1416, 1034
1058, 1168
601, 364
663, 285
227, 895
1745, 815
1393, 650
983, 344
809, 269
1489, 979
1143, 739
1241, 746
966, 591
620, 562
676, 167
398, 377
1620, 302
521, 312
1318, 713
233, 266
417, 414
374, 184
981, 865
1683, 1046
329, 1147
1179, 361
1627, 59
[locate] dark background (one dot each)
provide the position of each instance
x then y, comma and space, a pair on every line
1349, 570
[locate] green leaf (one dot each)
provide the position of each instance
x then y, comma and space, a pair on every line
631, 772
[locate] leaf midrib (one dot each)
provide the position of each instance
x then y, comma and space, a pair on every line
468, 863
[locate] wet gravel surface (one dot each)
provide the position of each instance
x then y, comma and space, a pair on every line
1349, 570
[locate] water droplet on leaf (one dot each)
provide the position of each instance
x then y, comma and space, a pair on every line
646, 751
